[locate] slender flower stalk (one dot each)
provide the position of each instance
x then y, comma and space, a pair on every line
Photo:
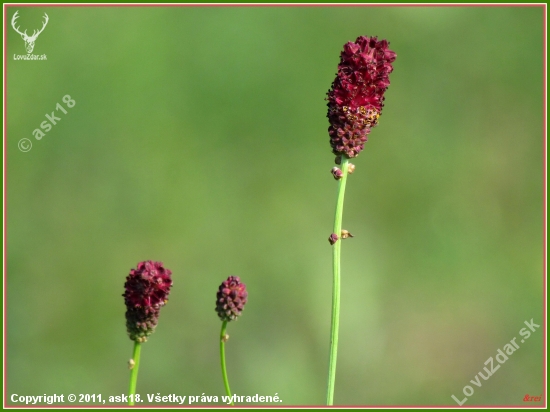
230, 300
134, 368
355, 103
223, 339
146, 291
335, 319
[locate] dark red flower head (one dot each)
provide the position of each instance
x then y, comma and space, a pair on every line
147, 289
356, 98
231, 298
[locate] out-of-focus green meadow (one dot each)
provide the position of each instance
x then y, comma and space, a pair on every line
199, 138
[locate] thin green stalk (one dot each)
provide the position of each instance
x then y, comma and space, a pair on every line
134, 373
336, 281
223, 339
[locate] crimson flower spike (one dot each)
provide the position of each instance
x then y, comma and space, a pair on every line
356, 98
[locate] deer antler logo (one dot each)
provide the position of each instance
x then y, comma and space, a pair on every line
29, 40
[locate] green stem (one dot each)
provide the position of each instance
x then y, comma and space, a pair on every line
222, 357
336, 281
134, 373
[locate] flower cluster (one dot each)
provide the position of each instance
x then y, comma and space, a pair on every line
147, 289
356, 98
231, 298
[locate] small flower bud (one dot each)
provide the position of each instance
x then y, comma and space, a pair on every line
337, 173
231, 298
351, 168
225, 338
338, 160
131, 364
346, 234
332, 238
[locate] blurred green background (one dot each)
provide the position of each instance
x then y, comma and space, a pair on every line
199, 138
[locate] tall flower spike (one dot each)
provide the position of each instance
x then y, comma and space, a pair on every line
231, 298
356, 98
147, 289
355, 103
